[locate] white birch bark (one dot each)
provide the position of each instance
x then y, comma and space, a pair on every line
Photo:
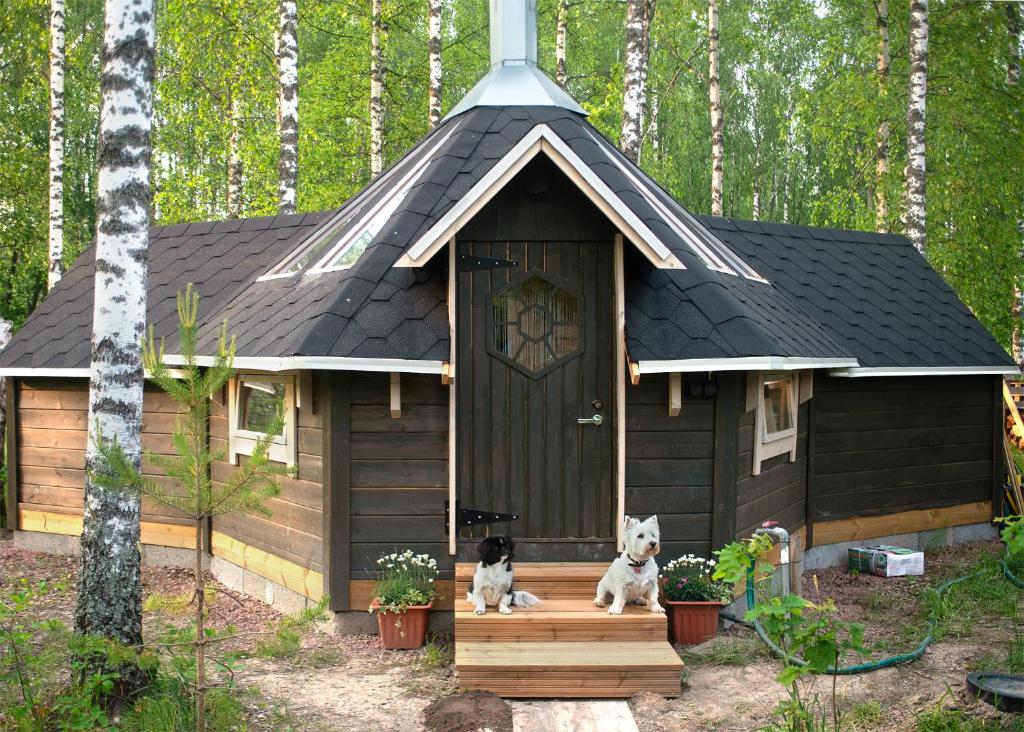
376, 91
434, 48
633, 81
56, 228
917, 218
109, 585
234, 202
882, 136
6, 331
715, 103
288, 105
561, 31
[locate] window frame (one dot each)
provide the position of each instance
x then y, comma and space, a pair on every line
283, 448
767, 445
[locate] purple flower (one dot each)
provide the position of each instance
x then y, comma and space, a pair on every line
679, 584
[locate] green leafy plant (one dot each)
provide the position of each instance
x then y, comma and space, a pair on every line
809, 635
406, 580
688, 579
1012, 534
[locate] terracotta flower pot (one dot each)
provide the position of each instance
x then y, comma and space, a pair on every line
403, 630
690, 623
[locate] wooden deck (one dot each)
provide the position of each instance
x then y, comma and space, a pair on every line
565, 646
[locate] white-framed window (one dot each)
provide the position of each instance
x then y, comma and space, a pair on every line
775, 427
255, 400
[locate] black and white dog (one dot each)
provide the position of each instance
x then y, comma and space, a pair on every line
633, 577
492, 580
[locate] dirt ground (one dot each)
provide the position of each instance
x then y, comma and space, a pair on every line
348, 683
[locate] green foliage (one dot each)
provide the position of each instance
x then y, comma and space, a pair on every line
437, 654
1012, 534
740, 558
406, 579
688, 579
945, 718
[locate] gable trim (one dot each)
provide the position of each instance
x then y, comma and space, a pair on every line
540, 139
70, 373
264, 363
743, 363
860, 371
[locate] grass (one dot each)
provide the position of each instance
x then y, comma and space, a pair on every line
437, 654
174, 605
943, 719
285, 643
736, 651
863, 715
1009, 660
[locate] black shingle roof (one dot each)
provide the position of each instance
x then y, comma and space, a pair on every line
829, 295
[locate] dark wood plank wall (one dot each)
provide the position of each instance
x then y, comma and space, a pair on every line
399, 470
51, 426
670, 464
895, 444
779, 491
294, 530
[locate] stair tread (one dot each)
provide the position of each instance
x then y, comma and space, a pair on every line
568, 608
633, 656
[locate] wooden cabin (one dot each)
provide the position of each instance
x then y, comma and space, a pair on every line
515, 320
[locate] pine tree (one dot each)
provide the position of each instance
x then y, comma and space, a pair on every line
916, 204
288, 104
109, 601
434, 48
633, 93
715, 101
376, 90
56, 231
882, 137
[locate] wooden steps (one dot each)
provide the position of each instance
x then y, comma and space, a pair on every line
565, 646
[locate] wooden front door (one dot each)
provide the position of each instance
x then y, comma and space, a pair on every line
535, 355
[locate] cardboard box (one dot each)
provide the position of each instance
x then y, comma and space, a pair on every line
886, 561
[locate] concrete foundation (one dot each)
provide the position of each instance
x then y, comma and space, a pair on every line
152, 556
835, 555
442, 622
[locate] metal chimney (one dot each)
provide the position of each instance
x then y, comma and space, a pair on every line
514, 79
513, 33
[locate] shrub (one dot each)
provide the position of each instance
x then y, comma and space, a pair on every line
688, 579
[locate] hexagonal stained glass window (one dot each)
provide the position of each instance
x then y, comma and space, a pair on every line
535, 324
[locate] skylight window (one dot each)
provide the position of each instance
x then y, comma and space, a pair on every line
715, 255
347, 234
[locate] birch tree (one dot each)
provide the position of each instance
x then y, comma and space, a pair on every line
56, 228
882, 137
715, 103
633, 92
561, 33
6, 331
234, 164
916, 205
288, 104
376, 90
109, 601
1012, 80
434, 48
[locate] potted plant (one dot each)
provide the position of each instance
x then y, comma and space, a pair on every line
693, 599
403, 597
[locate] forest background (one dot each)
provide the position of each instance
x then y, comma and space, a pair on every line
802, 97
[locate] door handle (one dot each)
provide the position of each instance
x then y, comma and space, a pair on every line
597, 419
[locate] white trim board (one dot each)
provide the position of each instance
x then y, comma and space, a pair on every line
321, 363
745, 363
860, 371
540, 139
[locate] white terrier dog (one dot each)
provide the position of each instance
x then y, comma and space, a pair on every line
633, 577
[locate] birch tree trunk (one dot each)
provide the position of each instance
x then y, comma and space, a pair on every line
561, 31
882, 137
288, 104
56, 229
1012, 79
109, 599
234, 203
376, 91
917, 218
434, 47
6, 331
633, 81
715, 100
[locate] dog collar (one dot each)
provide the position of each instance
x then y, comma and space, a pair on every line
636, 564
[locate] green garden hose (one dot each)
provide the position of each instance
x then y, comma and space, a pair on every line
1008, 573
861, 668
